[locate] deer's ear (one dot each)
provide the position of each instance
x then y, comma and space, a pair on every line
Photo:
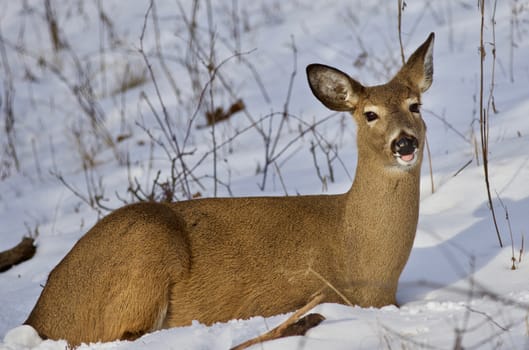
418, 70
335, 89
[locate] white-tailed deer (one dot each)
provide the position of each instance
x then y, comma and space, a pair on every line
149, 266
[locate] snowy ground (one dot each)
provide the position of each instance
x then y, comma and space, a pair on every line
457, 289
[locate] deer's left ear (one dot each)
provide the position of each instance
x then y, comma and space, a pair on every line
418, 70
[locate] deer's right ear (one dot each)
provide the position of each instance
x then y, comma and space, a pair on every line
335, 89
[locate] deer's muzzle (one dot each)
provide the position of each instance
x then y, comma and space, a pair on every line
404, 148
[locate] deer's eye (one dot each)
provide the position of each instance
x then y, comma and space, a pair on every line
370, 116
415, 108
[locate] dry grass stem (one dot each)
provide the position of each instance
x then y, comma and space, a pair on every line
328, 284
484, 115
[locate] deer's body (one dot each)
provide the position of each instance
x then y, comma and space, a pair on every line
150, 266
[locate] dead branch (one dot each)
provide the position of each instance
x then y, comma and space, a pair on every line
294, 325
219, 114
19, 253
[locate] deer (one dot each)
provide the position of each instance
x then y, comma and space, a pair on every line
150, 266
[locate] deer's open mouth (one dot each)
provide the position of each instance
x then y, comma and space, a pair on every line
408, 159
405, 149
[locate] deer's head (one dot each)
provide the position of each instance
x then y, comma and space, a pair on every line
391, 131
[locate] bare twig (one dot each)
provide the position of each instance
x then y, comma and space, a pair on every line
484, 121
161, 57
462, 168
94, 196
278, 172
53, 27
329, 284
271, 142
490, 103
488, 317
513, 258
166, 125
430, 164
447, 124
401, 7
322, 178
461, 330
516, 8
294, 325
8, 102
521, 249
479, 291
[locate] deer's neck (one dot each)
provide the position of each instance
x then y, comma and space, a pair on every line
381, 215
384, 199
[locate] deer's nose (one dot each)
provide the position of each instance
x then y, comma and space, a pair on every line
404, 145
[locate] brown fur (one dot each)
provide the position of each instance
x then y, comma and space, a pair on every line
149, 266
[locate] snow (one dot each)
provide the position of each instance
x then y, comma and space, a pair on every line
457, 289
